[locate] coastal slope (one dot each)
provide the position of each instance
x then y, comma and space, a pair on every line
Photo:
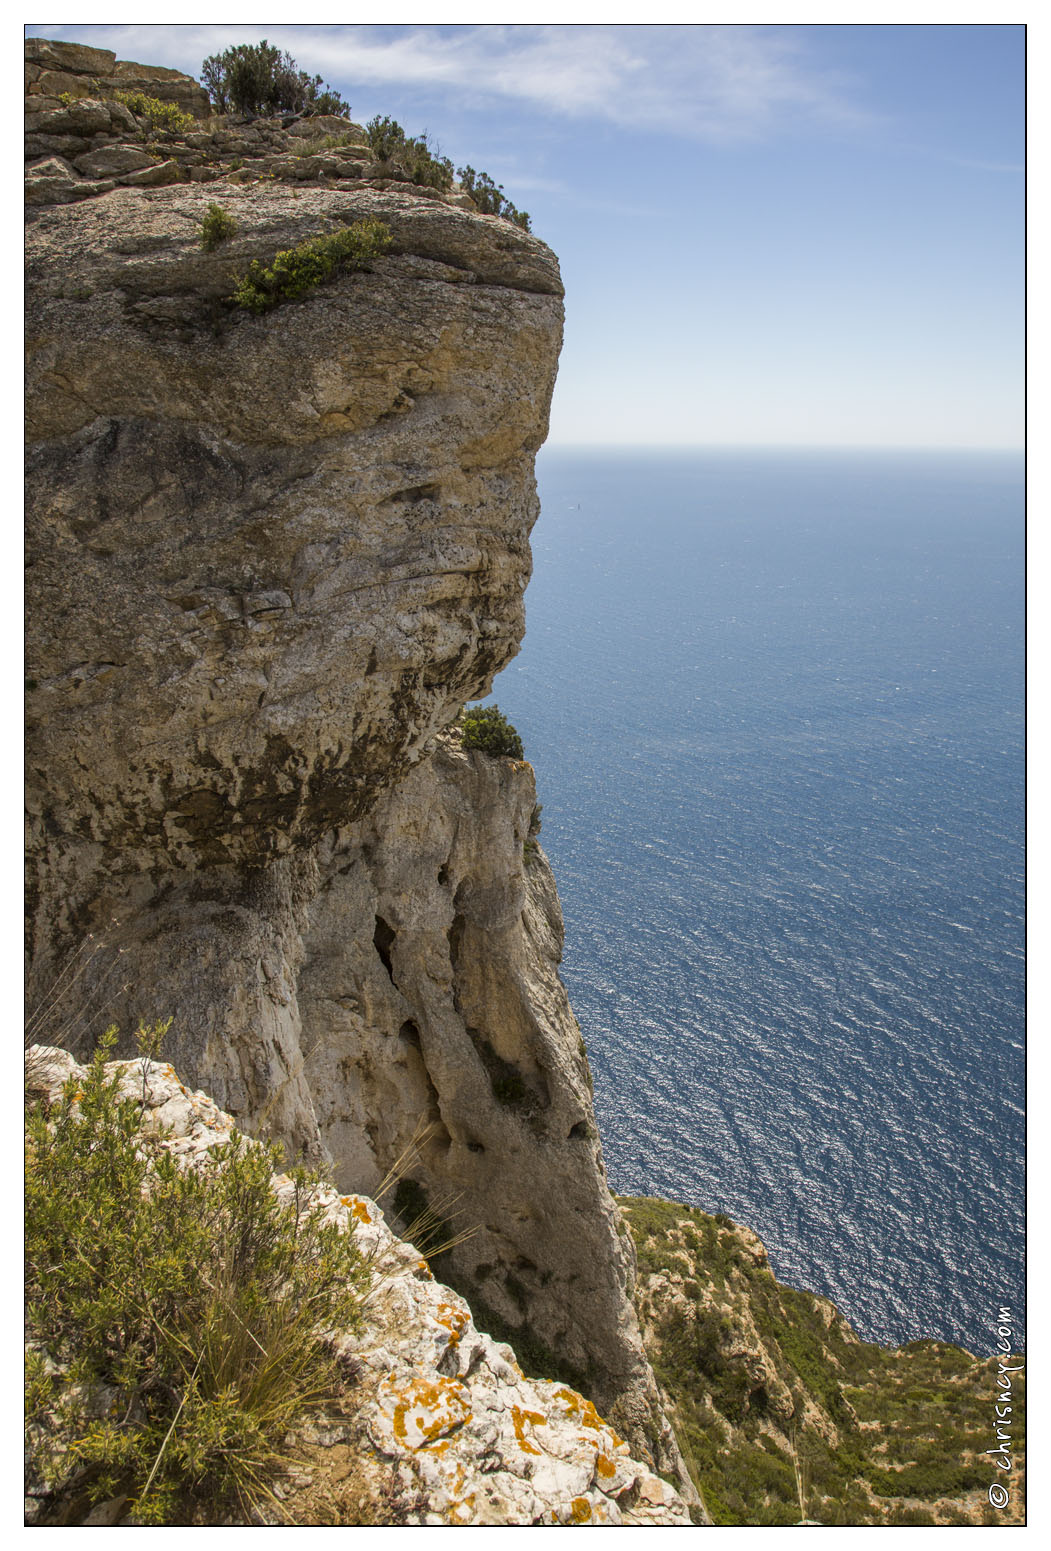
785, 1415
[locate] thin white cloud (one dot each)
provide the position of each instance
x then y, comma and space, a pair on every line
715, 83
977, 165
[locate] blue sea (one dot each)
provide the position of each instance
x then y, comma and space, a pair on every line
775, 705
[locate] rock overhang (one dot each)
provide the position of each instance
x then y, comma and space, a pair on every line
273, 554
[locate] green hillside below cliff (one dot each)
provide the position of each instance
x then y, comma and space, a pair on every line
784, 1415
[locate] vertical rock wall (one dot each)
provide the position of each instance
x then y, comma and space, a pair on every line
269, 559
436, 1026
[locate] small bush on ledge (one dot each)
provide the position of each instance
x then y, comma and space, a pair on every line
218, 226
485, 727
296, 271
158, 114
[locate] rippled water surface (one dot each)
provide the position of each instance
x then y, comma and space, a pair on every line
774, 702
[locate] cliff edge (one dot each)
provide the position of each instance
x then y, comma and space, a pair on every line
270, 556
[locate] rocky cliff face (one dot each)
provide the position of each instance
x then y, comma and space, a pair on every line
432, 1009
54, 69
270, 557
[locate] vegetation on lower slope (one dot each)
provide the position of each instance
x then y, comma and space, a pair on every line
176, 1316
784, 1414
217, 227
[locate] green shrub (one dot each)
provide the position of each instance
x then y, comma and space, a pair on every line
218, 226
486, 728
257, 78
385, 136
388, 142
296, 271
158, 114
192, 1304
490, 198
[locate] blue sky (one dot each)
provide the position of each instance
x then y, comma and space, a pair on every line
775, 234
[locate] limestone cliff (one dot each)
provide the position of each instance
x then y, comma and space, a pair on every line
269, 559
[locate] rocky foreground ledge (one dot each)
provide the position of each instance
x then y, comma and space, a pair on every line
440, 1426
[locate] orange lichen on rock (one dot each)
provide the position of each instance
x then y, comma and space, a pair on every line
462, 1512
581, 1510
605, 1466
441, 1445
454, 1320
582, 1410
520, 1417
426, 1411
357, 1207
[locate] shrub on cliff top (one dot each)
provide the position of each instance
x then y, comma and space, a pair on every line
389, 143
258, 78
490, 198
174, 1317
296, 271
485, 727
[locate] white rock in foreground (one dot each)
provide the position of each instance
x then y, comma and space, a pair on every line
472, 1439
